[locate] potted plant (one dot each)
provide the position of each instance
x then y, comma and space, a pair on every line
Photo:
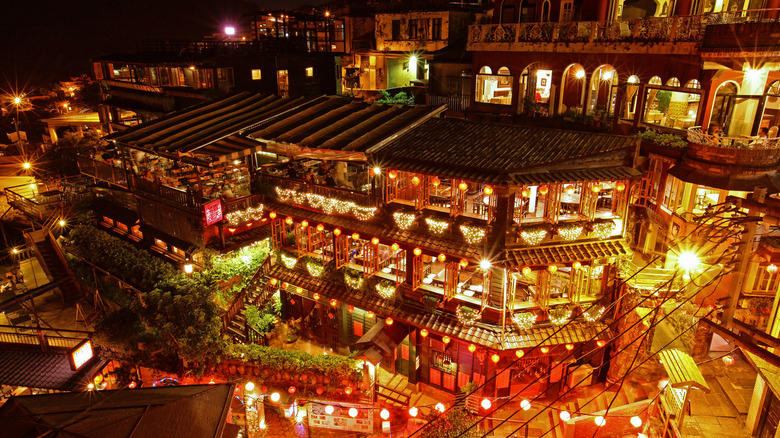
430, 302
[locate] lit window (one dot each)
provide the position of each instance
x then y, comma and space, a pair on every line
178, 251
672, 109
309, 71
136, 230
494, 88
108, 220
121, 226
256, 74
655, 80
160, 243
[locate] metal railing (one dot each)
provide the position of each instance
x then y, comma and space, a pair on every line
454, 103
36, 200
685, 28
41, 338
696, 135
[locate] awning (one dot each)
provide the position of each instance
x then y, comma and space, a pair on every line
551, 254
381, 341
682, 370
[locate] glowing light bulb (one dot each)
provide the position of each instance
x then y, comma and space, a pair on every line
525, 405
413, 411
565, 416
440, 407
329, 409
275, 397
486, 404
385, 414
636, 421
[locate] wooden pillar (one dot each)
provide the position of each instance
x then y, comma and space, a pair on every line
414, 338
773, 13
683, 7
496, 236
603, 8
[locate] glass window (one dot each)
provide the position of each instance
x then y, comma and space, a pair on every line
309, 71
160, 243
766, 282
256, 74
655, 80
672, 193
672, 109
673, 82
282, 83
543, 85
436, 29
704, 198
396, 30
495, 89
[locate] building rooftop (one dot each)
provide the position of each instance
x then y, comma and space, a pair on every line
36, 369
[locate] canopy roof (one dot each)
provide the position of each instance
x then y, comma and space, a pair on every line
245, 123
682, 370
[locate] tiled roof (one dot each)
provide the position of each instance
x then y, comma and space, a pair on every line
566, 253
36, 369
487, 152
195, 411
386, 232
563, 176
438, 322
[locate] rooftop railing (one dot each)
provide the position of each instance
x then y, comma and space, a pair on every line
697, 136
686, 28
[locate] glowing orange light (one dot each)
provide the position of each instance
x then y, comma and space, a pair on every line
417, 251
232, 230
436, 181
545, 350
446, 339
596, 188
389, 321
394, 247
486, 404
552, 269
304, 223
353, 412
370, 314
464, 263
299, 290
274, 281
728, 360
463, 186
291, 390
442, 258
350, 308
570, 346
337, 232
772, 269
576, 266
570, 189
272, 215
601, 343
620, 186
415, 180
284, 285
543, 190
424, 333
526, 271
565, 416
495, 358
355, 236
392, 174
413, 411
384, 414
333, 302
348, 390
472, 348
316, 296
375, 240
320, 227
526, 193
488, 190
519, 353
289, 220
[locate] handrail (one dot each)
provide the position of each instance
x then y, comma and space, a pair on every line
696, 135
681, 28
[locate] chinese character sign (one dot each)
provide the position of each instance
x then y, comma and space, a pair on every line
213, 211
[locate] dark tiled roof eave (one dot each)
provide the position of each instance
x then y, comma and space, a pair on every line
611, 173
566, 253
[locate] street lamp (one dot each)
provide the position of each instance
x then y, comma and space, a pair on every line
688, 261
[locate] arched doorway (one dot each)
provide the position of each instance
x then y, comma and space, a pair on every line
630, 100
601, 99
723, 104
572, 89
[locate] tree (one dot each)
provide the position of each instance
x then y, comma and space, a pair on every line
452, 425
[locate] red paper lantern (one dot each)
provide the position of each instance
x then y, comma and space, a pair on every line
488, 190
543, 190
389, 321
392, 174
519, 353
436, 181
348, 390
495, 358
472, 348
272, 215
526, 193
289, 220
291, 390
320, 390
416, 181
337, 232
446, 339
394, 247
442, 258
424, 333
350, 308
304, 223
620, 186
464, 263
417, 251
333, 302
375, 240
355, 236
316, 296
772, 269
463, 186
545, 350
320, 227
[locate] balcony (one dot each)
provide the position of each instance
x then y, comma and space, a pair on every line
746, 152
678, 35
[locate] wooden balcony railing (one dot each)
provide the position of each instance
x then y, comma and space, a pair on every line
34, 200
362, 199
686, 28
697, 136
242, 203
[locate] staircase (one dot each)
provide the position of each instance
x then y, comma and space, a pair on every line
257, 293
654, 279
53, 262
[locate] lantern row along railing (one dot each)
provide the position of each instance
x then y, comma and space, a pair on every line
697, 136
686, 28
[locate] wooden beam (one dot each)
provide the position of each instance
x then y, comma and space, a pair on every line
742, 340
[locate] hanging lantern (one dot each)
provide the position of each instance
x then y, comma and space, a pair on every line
272, 215
353, 412
299, 290
413, 411
495, 358
389, 321
446, 339
543, 190
424, 333
464, 263
377, 171
472, 348
463, 186
350, 308
415, 180
392, 174
284, 285
486, 404
320, 227
570, 347
375, 240
316, 296
417, 251
348, 390
232, 230
527, 271
772, 269
488, 190
526, 193
304, 223
545, 350
728, 360
289, 220
442, 258
601, 343
519, 353
333, 302
370, 314
596, 188
394, 247
565, 416
384, 414
436, 181
552, 268
320, 390
337, 232
355, 236
274, 281
291, 390
620, 186
576, 266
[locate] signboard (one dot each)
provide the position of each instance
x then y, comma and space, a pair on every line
340, 419
213, 211
81, 354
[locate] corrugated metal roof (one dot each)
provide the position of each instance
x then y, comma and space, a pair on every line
567, 253
682, 370
489, 152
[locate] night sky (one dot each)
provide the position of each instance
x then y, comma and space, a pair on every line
43, 41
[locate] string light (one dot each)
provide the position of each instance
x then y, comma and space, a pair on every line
559, 315
287, 261
570, 232
315, 268
386, 289
437, 226
404, 220
533, 236
413, 411
353, 282
327, 205
602, 230
238, 217
524, 320
473, 234
525, 405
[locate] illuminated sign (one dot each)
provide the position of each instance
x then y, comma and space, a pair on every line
213, 212
340, 418
81, 354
